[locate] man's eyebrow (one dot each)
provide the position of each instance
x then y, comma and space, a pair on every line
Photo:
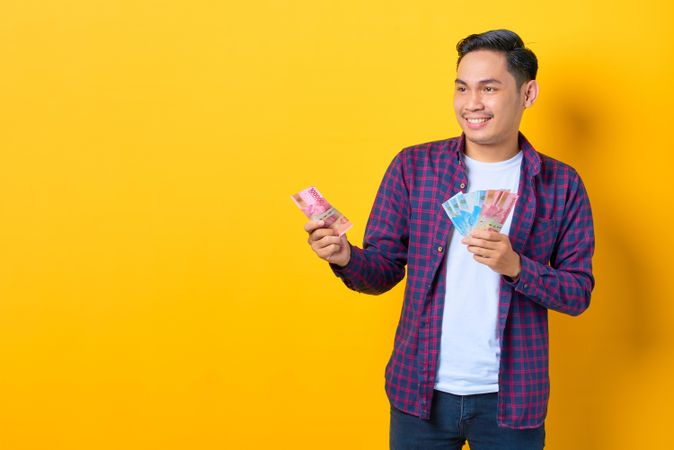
486, 81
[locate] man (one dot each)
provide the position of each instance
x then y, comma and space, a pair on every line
470, 359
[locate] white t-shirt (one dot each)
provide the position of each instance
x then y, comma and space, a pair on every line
469, 347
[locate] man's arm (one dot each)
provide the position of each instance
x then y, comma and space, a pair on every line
566, 284
380, 264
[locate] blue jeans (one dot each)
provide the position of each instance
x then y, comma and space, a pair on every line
457, 418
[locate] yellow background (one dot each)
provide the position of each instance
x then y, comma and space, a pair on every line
156, 289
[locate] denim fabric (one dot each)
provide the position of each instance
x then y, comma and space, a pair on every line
456, 419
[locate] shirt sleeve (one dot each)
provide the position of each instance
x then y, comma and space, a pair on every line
380, 264
565, 285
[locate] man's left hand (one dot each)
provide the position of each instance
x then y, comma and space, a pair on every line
494, 250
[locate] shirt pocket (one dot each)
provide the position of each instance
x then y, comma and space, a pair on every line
542, 239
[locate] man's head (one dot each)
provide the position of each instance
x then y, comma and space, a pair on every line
496, 81
522, 63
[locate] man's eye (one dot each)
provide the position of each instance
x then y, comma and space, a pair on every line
489, 89
460, 88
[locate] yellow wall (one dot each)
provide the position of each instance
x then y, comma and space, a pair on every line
156, 289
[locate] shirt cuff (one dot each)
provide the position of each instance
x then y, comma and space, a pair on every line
351, 268
526, 281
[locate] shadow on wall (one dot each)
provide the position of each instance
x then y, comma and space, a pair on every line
594, 355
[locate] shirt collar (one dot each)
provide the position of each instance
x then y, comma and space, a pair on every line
532, 160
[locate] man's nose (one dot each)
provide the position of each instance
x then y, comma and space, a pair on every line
474, 101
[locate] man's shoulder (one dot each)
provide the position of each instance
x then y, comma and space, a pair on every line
431, 150
437, 145
555, 168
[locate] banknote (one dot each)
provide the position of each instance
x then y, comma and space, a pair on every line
316, 207
475, 201
458, 216
480, 210
495, 210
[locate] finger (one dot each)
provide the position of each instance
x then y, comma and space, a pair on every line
488, 235
328, 251
482, 243
312, 225
480, 251
482, 259
327, 241
320, 233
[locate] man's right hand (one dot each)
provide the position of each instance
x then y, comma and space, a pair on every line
326, 244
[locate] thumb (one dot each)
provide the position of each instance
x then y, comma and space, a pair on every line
344, 240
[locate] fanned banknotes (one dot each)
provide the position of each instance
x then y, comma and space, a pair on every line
480, 210
316, 207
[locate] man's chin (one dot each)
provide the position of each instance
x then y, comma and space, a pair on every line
478, 138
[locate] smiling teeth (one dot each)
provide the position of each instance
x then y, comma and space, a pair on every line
477, 120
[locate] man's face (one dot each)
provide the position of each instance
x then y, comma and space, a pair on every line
487, 102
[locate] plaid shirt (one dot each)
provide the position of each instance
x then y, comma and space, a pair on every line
551, 230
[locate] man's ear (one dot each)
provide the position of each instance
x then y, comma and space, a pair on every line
530, 89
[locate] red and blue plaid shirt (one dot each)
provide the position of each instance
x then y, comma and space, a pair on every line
552, 231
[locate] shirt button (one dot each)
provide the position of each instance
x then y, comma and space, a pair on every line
462, 185
440, 248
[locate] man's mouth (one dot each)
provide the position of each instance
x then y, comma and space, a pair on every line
477, 119
477, 122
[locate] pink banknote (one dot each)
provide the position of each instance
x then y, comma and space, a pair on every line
495, 209
316, 207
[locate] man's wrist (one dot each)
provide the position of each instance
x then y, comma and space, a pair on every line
339, 265
518, 270
343, 264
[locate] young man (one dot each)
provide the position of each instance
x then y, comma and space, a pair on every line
470, 359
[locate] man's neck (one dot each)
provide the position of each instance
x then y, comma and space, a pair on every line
492, 153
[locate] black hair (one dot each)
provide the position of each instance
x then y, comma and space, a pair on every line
522, 62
